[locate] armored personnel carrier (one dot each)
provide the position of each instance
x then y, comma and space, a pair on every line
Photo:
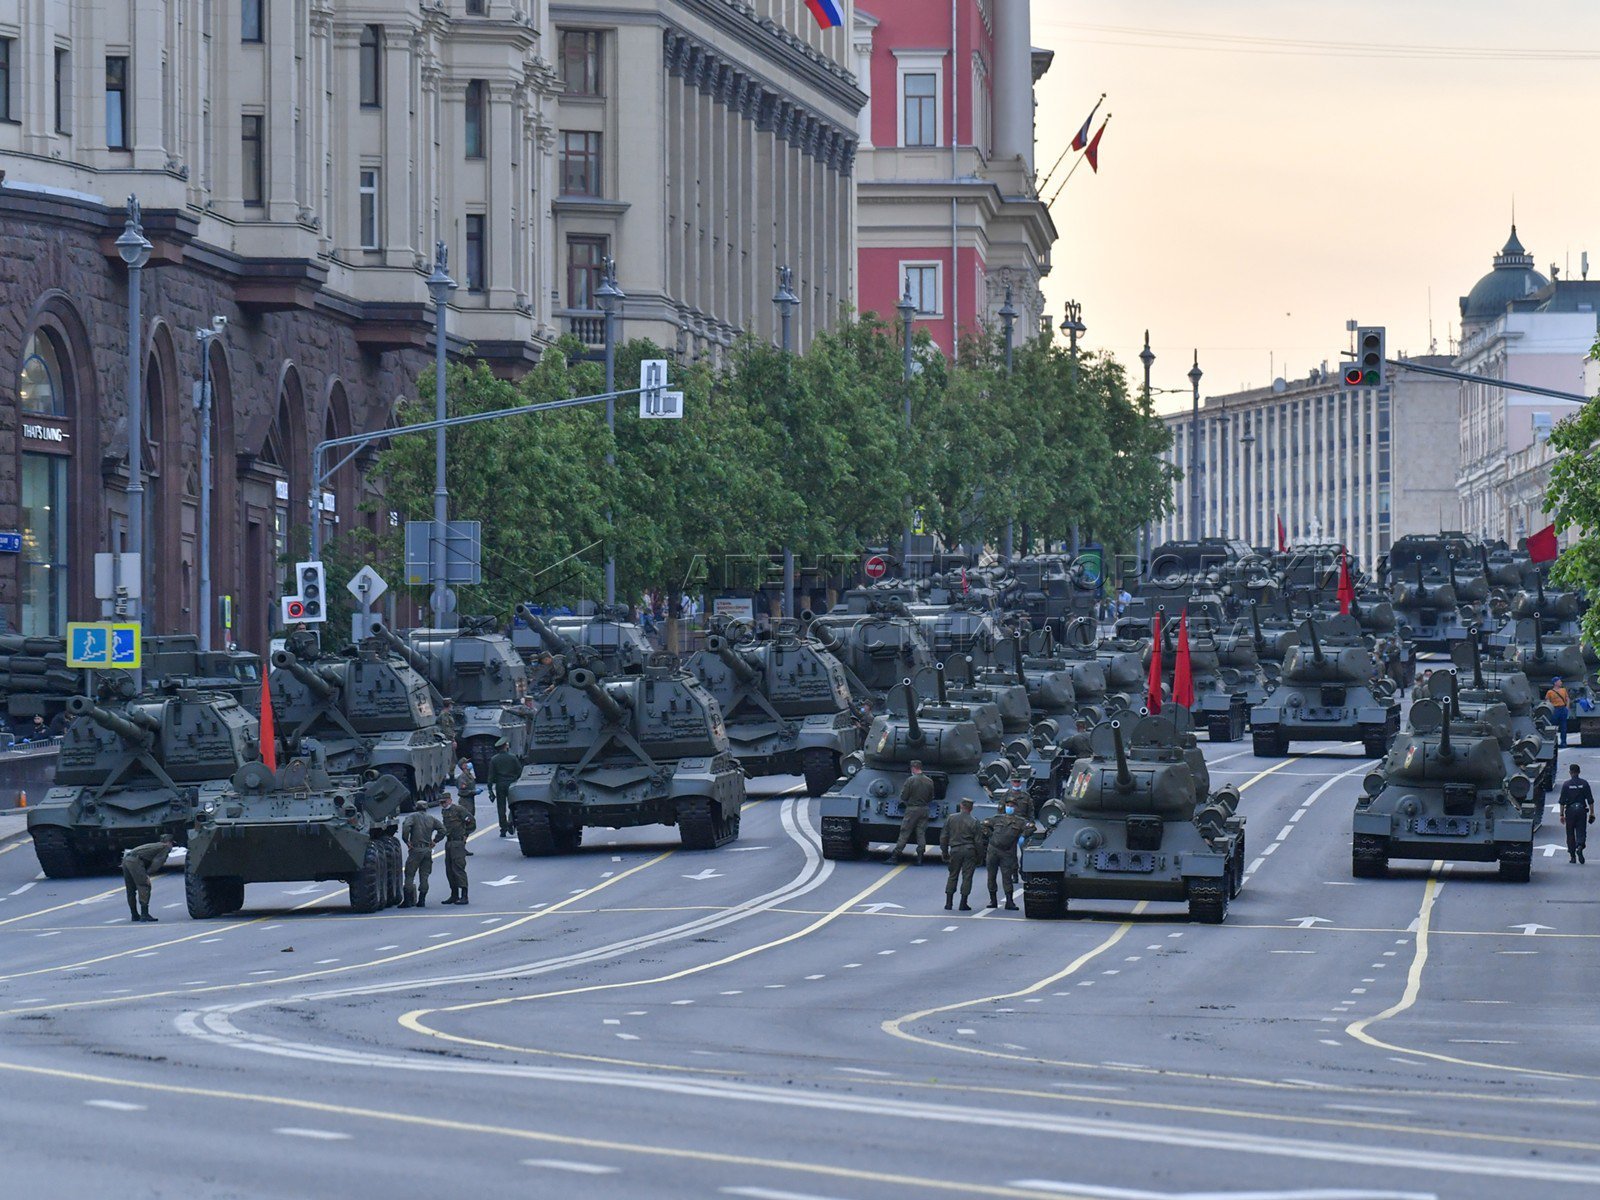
296, 823
477, 668
1327, 694
1137, 822
786, 705
131, 771
1448, 789
367, 709
646, 749
944, 734
879, 647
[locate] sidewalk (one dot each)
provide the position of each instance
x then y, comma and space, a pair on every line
13, 824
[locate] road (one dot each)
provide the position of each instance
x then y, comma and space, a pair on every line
640, 1021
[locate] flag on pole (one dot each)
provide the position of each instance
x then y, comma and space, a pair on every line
1182, 674
1092, 153
1152, 692
826, 12
1283, 538
1347, 593
1082, 138
1542, 546
268, 735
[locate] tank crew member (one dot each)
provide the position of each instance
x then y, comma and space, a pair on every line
961, 840
1018, 794
138, 865
1078, 744
1577, 803
916, 794
1004, 832
447, 721
505, 768
459, 822
420, 832
1560, 702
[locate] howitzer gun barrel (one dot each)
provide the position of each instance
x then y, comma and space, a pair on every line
611, 708
423, 664
723, 649
305, 673
136, 727
553, 641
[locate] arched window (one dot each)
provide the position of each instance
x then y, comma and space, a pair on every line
39, 381
44, 468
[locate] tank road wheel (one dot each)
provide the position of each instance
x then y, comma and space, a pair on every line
397, 869
821, 768
367, 885
702, 825
1044, 897
1369, 856
842, 839
1208, 900
1516, 861
57, 857
212, 896
1268, 743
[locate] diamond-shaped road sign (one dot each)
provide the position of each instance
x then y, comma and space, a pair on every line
366, 585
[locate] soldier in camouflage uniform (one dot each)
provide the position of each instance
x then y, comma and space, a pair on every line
505, 768
961, 840
916, 794
138, 865
420, 832
1002, 832
459, 822
447, 722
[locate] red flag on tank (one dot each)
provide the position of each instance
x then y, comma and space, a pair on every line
1542, 546
1182, 674
1152, 692
1347, 593
1283, 538
268, 735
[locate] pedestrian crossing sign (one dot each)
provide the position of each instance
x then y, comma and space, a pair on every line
107, 645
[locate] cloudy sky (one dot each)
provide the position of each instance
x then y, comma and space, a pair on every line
1274, 167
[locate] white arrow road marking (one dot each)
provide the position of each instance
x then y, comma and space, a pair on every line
1551, 849
875, 909
306, 891
1308, 922
503, 881
20, 890
1531, 928
708, 873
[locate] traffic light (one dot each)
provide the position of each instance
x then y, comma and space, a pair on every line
313, 591
1368, 369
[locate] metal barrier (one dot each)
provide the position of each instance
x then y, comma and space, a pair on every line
27, 767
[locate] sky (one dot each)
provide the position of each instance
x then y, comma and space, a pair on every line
1274, 168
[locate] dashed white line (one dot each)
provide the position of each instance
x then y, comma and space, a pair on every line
316, 1135
115, 1105
577, 1168
816, 976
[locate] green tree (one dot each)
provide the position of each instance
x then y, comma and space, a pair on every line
1573, 500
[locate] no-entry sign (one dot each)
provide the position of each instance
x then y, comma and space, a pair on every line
875, 567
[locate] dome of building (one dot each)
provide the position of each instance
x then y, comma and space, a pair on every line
1512, 278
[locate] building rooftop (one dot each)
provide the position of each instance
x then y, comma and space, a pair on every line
1512, 278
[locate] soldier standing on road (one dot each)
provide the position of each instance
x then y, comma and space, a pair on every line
1577, 812
467, 788
1560, 702
420, 832
916, 794
459, 822
138, 865
961, 840
1003, 832
447, 722
505, 768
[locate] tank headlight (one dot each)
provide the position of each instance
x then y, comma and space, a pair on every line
851, 767
1088, 839
880, 787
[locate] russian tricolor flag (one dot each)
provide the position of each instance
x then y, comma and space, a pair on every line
827, 12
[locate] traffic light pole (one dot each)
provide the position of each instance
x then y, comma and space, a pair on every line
1505, 385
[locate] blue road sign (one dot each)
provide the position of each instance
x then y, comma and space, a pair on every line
105, 644
10, 542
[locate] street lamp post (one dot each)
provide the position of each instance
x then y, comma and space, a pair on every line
907, 309
135, 251
440, 285
1247, 487
1008, 321
610, 297
1194, 449
786, 300
1147, 357
206, 337
1073, 324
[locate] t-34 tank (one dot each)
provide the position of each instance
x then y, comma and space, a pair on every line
368, 709
1137, 823
476, 667
1475, 685
1326, 695
786, 705
1105, 675
298, 823
1448, 789
864, 806
131, 771
647, 749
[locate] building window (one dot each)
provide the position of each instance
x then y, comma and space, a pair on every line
922, 281
5, 79
38, 389
63, 91
117, 102
369, 208
585, 263
477, 118
252, 21
580, 164
252, 161
475, 252
580, 62
371, 65
477, 8
44, 544
920, 108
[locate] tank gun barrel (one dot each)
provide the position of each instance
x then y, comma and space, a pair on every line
305, 673
1316, 645
610, 707
913, 726
1538, 635
136, 727
1124, 776
1255, 625
1422, 590
1477, 659
940, 683
553, 641
723, 649
423, 664
1538, 582
1446, 751
1016, 647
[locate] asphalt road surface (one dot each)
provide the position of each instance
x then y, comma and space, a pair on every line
640, 1021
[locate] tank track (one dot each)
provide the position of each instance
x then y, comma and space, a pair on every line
1369, 856
821, 769
539, 836
1208, 900
1516, 861
702, 825
1044, 897
1268, 743
58, 858
1237, 877
840, 842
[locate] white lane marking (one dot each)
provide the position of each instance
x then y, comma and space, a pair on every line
629, 1037
864, 1071
967, 1032
52, 933
1480, 1042
761, 1193
1284, 832
950, 928
1298, 813
1134, 958
381, 949
1291, 951
577, 1168
918, 941
883, 952
1330, 1042
611, 1021
446, 933
316, 1135
735, 992
147, 954
25, 887
771, 986
1486, 1002
851, 966
681, 1003
266, 971
1370, 1108
1119, 1193
1271, 849
115, 1105
816, 976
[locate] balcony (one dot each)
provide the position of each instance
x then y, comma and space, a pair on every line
587, 325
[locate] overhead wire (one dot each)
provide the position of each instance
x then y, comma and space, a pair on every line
1191, 39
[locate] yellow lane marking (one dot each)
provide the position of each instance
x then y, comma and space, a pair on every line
415, 1022
921, 1183
18, 844
1419, 960
360, 966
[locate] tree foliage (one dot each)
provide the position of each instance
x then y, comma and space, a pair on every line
1573, 499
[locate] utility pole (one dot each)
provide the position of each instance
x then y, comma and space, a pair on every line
1148, 358
1008, 321
786, 300
1194, 451
610, 297
135, 251
907, 309
206, 337
440, 285
1074, 325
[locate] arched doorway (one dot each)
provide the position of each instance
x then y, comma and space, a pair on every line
227, 508
172, 496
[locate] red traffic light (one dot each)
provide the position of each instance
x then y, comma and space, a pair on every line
296, 609
1353, 376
